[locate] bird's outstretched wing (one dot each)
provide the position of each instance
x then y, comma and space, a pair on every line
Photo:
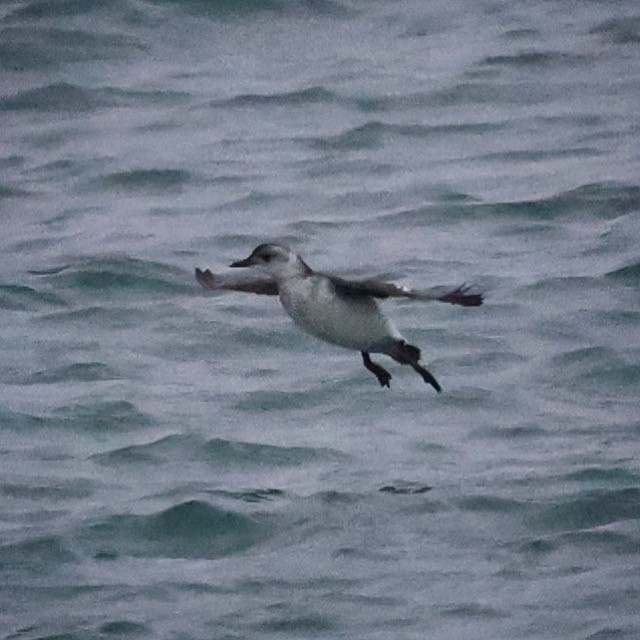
264, 285
250, 283
378, 289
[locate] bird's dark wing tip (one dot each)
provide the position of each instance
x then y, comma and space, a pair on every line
206, 278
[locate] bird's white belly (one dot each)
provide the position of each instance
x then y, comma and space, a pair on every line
355, 323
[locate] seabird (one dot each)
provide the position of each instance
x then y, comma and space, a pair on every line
342, 312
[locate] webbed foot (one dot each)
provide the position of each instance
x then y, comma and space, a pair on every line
384, 377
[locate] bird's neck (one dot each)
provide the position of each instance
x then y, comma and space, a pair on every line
295, 267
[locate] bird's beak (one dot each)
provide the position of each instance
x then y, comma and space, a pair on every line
247, 262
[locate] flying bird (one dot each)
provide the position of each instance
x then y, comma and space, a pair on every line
339, 311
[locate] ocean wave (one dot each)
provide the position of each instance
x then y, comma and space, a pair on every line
229, 452
616, 538
489, 360
113, 317
619, 30
21, 422
599, 200
405, 487
37, 9
248, 202
595, 367
539, 155
57, 490
56, 97
521, 34
123, 628
102, 416
595, 474
374, 133
492, 504
226, 8
620, 538
589, 509
361, 102
250, 495
476, 92
529, 59
64, 96
7, 192
310, 95
543, 288
172, 447
75, 372
39, 552
283, 400
297, 625
366, 136
23, 298
575, 361
629, 274
244, 8
218, 452
477, 610
145, 180
36, 47
191, 529
15, 57
511, 433
603, 200
99, 274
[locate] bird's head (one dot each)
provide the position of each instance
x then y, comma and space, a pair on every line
277, 260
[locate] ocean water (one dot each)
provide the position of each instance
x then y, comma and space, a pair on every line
185, 465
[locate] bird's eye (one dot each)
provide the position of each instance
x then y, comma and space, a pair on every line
267, 257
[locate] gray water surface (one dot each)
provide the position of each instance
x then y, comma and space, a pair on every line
178, 464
